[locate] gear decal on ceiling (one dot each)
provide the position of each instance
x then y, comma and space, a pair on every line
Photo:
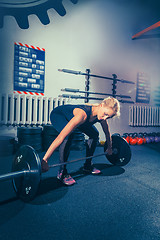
21, 9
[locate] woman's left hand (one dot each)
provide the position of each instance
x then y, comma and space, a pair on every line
109, 150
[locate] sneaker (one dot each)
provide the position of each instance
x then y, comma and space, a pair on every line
91, 170
65, 179
44, 166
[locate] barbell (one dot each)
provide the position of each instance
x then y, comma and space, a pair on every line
26, 166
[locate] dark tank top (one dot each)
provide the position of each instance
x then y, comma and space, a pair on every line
61, 115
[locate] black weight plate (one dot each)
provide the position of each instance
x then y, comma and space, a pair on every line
122, 150
51, 133
6, 145
26, 159
49, 129
6, 140
30, 141
48, 139
116, 134
44, 136
25, 135
37, 147
6, 150
29, 130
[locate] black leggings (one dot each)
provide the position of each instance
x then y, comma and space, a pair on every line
64, 148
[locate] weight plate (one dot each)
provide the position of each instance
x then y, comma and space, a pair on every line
49, 129
26, 135
29, 130
26, 159
6, 145
121, 151
48, 138
116, 134
29, 141
6, 150
44, 136
6, 139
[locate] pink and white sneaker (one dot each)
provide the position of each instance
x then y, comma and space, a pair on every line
65, 179
91, 170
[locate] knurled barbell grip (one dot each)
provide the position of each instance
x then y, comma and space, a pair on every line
76, 160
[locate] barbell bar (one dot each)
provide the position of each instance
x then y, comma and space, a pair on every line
93, 75
95, 93
90, 98
26, 166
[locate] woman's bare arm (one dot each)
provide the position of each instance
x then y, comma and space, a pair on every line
106, 131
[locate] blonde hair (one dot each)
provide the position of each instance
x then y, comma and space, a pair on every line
110, 102
113, 103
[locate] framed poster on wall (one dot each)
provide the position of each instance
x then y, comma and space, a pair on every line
143, 88
29, 68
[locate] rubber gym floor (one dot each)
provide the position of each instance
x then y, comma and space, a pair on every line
121, 203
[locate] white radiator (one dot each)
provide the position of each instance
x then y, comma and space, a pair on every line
144, 116
16, 109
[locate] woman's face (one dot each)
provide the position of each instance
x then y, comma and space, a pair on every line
104, 112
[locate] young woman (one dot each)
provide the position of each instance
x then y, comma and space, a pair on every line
66, 119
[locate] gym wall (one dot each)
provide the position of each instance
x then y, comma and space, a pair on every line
95, 35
